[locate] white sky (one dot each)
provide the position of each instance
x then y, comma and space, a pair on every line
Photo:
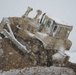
64, 10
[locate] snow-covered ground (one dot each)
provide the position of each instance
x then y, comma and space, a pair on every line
40, 71
72, 55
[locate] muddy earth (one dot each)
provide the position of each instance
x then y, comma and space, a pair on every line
12, 58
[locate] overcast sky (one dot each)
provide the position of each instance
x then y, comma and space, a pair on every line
64, 10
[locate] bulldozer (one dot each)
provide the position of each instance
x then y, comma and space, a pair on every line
38, 38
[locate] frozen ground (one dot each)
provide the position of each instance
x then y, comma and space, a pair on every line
39, 71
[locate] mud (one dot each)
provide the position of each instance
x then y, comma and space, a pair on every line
11, 57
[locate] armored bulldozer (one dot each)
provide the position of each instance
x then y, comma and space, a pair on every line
39, 38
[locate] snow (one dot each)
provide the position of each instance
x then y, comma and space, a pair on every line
36, 25
42, 34
0, 37
30, 34
59, 21
72, 55
39, 71
1, 51
10, 53
57, 56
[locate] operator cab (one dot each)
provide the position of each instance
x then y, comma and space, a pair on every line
54, 29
